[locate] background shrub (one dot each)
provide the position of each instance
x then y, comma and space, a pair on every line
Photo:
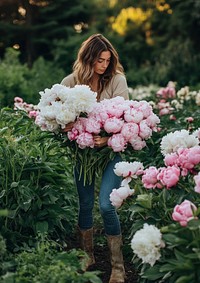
36, 188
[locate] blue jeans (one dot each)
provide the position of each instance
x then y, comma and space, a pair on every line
87, 195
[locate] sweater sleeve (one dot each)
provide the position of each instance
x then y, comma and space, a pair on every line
120, 87
69, 81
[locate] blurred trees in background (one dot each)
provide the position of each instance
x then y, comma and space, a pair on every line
157, 40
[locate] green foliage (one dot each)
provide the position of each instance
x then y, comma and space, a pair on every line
16, 79
36, 185
48, 264
12, 78
3, 252
186, 62
43, 74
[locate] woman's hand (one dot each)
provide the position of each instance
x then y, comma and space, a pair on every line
68, 127
100, 141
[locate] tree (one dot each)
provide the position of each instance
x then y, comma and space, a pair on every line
32, 25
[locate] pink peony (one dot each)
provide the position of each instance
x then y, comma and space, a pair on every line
189, 119
145, 108
93, 126
85, 140
169, 176
73, 134
194, 155
99, 113
164, 111
185, 158
133, 115
115, 107
184, 212
171, 159
33, 114
167, 92
18, 99
145, 131
117, 142
113, 125
130, 130
149, 178
189, 157
79, 125
28, 107
137, 143
152, 121
109, 108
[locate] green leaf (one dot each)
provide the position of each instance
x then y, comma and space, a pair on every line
153, 273
2, 193
14, 184
167, 267
174, 240
42, 227
4, 212
145, 200
176, 265
185, 279
193, 224
136, 208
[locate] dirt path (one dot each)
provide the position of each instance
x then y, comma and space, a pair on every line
103, 265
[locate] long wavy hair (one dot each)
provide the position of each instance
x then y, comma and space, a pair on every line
88, 54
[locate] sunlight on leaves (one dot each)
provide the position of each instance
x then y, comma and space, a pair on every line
162, 6
135, 16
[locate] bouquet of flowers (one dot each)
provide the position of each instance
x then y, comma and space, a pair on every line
125, 122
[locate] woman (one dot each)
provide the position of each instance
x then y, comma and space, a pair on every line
97, 65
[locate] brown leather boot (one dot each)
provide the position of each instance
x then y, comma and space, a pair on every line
117, 262
86, 244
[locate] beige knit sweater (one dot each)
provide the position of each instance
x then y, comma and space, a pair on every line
116, 87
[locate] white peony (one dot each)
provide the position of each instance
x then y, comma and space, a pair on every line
128, 169
196, 133
65, 116
146, 244
179, 139
61, 105
84, 98
117, 196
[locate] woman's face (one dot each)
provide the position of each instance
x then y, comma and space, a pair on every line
102, 63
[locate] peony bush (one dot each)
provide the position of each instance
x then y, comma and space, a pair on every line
164, 209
